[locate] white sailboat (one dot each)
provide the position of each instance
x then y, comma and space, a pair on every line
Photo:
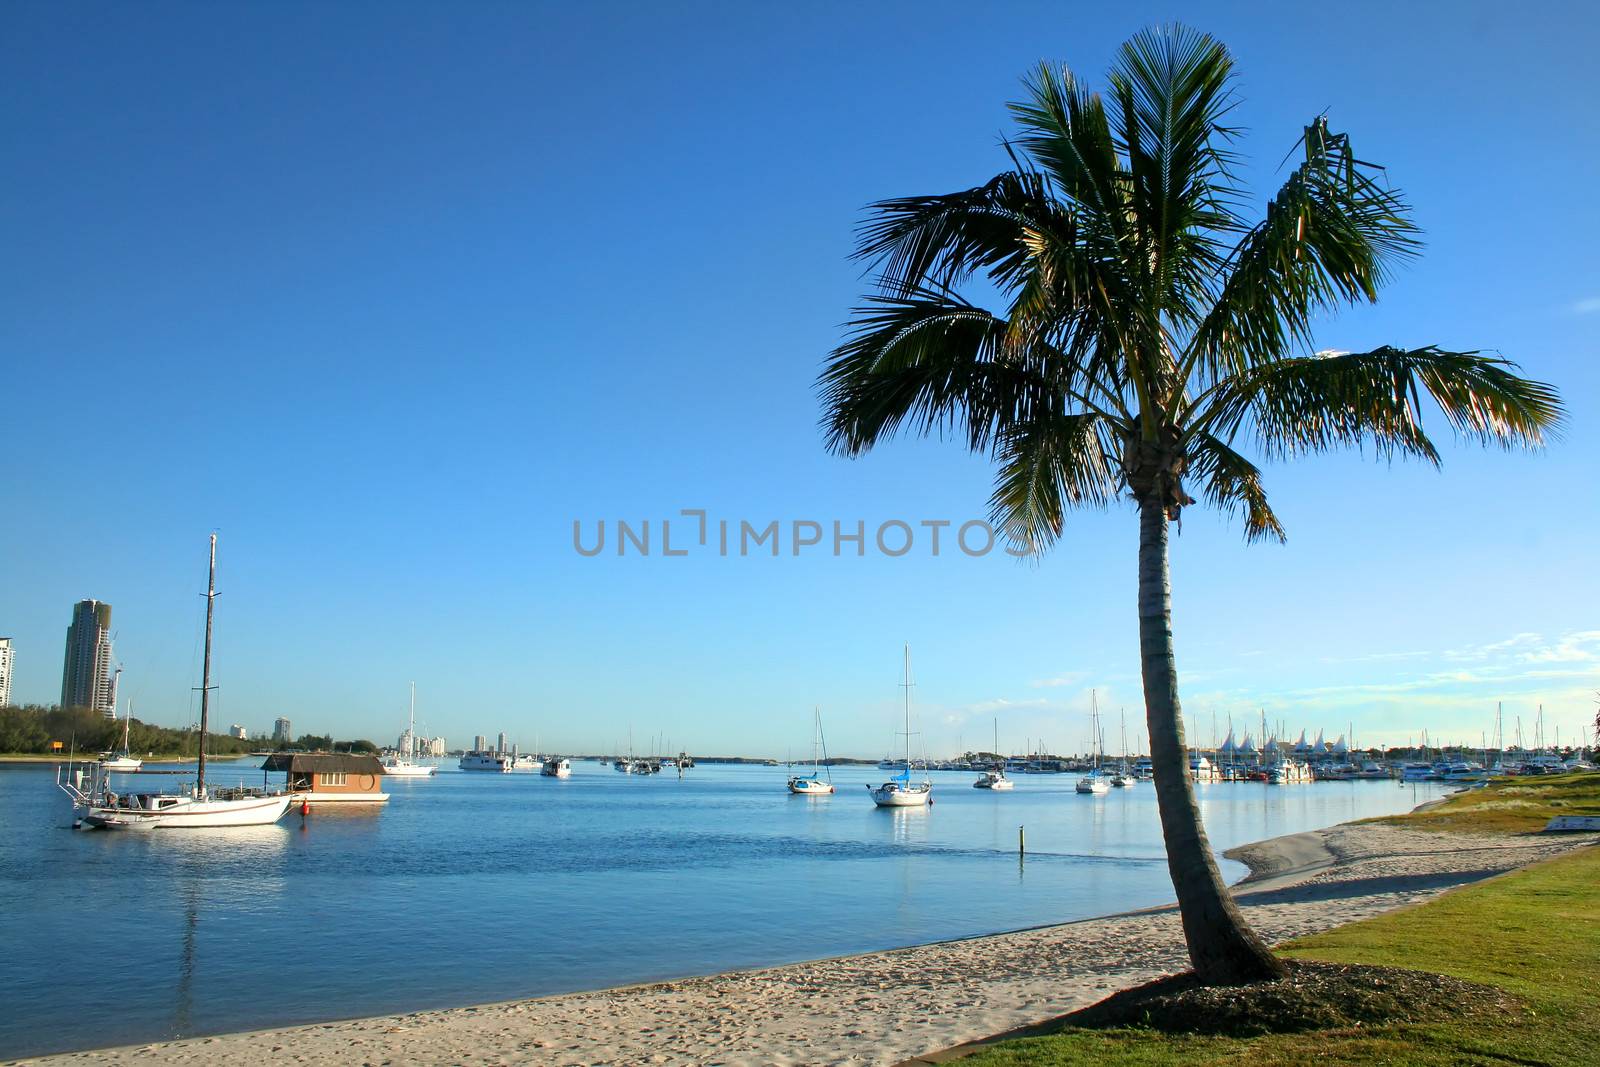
901, 791
995, 778
121, 761
1094, 783
404, 764
198, 807
813, 785
1123, 778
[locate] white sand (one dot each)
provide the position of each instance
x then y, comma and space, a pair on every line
886, 1007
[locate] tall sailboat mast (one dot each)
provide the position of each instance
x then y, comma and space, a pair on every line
411, 727
906, 685
205, 675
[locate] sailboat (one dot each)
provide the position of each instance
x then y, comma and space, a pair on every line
900, 791
1123, 779
121, 761
1094, 782
194, 808
814, 785
996, 777
403, 764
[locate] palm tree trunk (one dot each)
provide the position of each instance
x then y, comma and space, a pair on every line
1222, 948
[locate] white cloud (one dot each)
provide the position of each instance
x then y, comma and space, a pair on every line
1060, 680
1587, 306
988, 707
1582, 646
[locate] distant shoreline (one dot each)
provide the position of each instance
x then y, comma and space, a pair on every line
27, 758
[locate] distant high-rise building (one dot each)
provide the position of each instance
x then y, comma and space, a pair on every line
281, 731
436, 746
238, 731
502, 745
480, 743
86, 678
6, 660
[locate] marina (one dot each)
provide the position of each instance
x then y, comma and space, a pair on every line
665, 876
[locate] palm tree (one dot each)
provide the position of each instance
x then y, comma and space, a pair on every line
1149, 332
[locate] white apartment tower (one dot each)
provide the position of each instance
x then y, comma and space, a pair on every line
6, 662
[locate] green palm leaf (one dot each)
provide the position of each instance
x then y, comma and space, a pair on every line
1315, 403
1047, 465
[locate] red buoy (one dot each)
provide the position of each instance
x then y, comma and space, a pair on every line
305, 808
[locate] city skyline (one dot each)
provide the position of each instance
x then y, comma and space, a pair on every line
419, 377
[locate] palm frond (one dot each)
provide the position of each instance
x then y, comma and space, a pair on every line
1046, 465
928, 361
942, 240
1330, 236
1171, 88
1065, 132
1232, 483
1315, 403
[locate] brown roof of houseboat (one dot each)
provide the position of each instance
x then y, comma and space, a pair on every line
322, 763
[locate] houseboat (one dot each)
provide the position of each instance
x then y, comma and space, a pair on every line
499, 762
330, 777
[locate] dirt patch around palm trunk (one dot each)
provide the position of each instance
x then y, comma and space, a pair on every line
1313, 996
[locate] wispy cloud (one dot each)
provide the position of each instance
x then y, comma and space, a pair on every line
989, 707
1582, 646
1587, 306
1060, 680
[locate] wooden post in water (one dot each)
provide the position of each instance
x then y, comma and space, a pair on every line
1022, 842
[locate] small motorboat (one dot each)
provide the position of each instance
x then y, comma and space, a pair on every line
995, 779
557, 767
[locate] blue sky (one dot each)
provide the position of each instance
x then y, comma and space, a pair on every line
391, 295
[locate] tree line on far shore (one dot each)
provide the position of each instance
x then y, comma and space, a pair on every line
31, 730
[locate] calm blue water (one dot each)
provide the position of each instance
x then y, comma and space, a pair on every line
475, 887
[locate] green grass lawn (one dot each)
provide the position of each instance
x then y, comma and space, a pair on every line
1509, 805
1534, 933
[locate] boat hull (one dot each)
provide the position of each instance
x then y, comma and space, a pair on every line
810, 787
193, 815
886, 796
121, 766
415, 770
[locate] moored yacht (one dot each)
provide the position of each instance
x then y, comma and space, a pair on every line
901, 791
557, 767
995, 777
813, 784
195, 807
1094, 783
121, 761
1288, 772
404, 764
498, 762
1123, 778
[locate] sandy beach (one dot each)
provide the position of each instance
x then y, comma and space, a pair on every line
887, 1007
